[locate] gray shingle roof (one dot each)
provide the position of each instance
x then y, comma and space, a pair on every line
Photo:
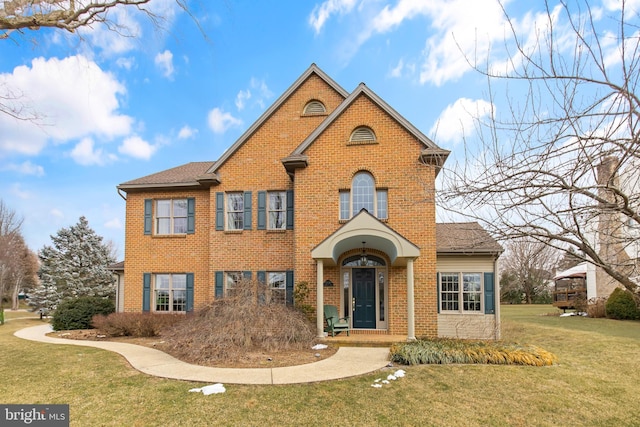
184, 175
465, 238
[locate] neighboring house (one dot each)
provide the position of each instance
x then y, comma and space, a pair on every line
327, 187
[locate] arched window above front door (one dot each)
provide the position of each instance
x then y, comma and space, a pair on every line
356, 261
362, 192
363, 195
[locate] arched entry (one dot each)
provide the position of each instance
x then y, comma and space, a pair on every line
365, 291
383, 239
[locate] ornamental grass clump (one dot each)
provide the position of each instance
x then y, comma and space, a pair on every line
450, 351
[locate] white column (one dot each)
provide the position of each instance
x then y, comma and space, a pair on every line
411, 328
319, 299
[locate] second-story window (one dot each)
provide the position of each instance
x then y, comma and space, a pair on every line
171, 216
363, 195
277, 209
235, 211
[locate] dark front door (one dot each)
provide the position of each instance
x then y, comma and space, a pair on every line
364, 298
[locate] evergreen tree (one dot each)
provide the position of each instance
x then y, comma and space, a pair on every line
75, 266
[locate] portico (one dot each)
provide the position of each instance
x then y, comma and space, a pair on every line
364, 248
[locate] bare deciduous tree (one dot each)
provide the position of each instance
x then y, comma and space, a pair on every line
562, 165
64, 14
527, 266
10, 239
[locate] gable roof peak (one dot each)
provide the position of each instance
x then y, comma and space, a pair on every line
313, 69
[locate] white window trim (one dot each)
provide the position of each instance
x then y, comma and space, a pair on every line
171, 217
227, 275
461, 309
228, 211
375, 204
171, 291
283, 210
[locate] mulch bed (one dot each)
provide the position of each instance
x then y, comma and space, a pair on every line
252, 358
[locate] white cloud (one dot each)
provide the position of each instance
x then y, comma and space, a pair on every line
137, 147
119, 37
459, 120
397, 71
219, 121
25, 168
258, 91
322, 12
114, 223
187, 132
126, 63
241, 98
16, 190
57, 213
261, 87
164, 61
72, 98
85, 153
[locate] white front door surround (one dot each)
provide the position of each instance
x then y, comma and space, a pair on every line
365, 228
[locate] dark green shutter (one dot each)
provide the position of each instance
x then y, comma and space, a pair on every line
219, 289
246, 275
191, 215
148, 216
146, 292
219, 211
262, 277
289, 209
189, 292
262, 210
438, 290
247, 210
289, 287
489, 294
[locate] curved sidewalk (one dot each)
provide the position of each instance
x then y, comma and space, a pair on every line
347, 362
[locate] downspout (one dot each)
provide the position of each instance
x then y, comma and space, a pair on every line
120, 194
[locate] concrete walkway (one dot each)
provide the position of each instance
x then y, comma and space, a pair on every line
347, 362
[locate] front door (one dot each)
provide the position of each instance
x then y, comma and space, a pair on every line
364, 298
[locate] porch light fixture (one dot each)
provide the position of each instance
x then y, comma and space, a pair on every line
363, 258
328, 283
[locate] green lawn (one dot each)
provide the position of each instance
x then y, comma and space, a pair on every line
595, 384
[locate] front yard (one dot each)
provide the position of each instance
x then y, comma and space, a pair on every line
595, 383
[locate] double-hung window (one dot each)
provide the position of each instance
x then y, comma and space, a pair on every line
461, 292
171, 216
170, 293
277, 284
231, 280
277, 210
363, 195
235, 211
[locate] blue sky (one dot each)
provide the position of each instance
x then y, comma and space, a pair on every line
108, 108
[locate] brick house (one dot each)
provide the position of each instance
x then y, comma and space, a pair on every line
327, 187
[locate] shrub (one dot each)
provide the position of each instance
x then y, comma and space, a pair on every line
596, 307
135, 324
77, 313
249, 319
621, 305
446, 351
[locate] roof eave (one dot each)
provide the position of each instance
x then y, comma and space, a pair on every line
434, 157
493, 252
292, 163
161, 186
